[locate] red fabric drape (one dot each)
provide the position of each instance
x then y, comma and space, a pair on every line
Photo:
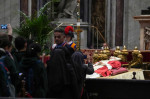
103, 71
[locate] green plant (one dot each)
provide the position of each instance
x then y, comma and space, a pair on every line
36, 27
56, 0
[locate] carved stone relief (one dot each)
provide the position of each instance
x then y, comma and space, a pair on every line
147, 38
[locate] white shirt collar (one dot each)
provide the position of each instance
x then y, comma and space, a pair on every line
69, 42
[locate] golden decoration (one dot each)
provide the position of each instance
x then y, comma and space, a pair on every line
137, 58
117, 51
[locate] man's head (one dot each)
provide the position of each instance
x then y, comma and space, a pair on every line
104, 44
68, 38
5, 44
20, 43
59, 36
34, 50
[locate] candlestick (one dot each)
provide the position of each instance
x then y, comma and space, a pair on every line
78, 25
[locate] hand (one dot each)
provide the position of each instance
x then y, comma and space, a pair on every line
89, 60
9, 29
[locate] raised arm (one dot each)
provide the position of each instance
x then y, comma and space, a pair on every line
89, 69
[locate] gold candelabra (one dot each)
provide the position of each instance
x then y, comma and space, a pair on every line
78, 25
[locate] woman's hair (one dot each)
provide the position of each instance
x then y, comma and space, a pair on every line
56, 68
77, 60
4, 43
33, 50
20, 42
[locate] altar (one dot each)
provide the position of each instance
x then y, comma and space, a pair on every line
139, 75
117, 88
121, 86
132, 84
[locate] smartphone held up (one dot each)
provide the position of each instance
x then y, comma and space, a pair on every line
4, 26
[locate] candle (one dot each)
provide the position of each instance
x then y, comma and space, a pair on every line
78, 23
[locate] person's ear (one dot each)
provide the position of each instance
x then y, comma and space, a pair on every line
70, 38
25, 45
6, 48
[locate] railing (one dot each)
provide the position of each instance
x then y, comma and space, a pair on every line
96, 33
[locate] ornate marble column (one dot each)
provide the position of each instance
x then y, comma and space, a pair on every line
24, 6
34, 7
119, 22
110, 22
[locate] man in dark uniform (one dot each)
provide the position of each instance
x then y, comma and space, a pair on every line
59, 83
59, 38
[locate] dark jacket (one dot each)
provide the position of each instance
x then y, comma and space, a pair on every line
17, 58
68, 50
81, 69
19, 55
59, 79
73, 82
10, 64
3, 84
39, 75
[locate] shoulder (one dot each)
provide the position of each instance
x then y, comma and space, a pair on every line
7, 58
69, 49
40, 63
38, 67
69, 66
73, 45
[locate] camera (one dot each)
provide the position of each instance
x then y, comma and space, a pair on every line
4, 26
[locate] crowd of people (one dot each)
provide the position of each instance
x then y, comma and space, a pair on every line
22, 73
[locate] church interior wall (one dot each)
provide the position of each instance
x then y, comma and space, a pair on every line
135, 7
9, 12
131, 28
111, 22
83, 44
